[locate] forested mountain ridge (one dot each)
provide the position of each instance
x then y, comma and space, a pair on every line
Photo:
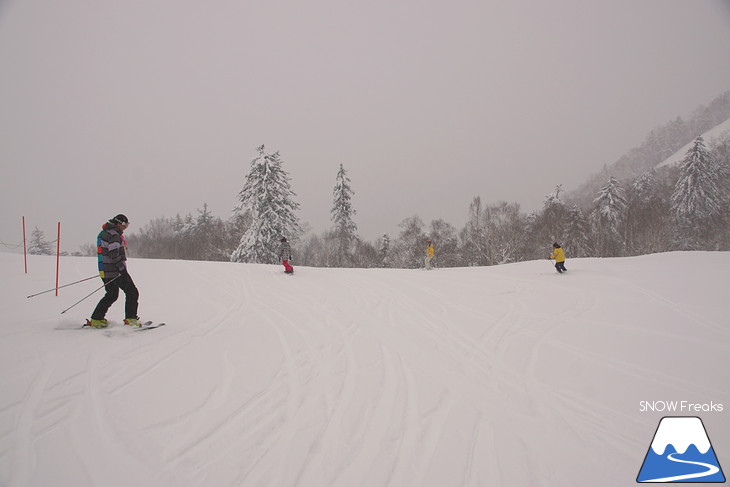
662, 143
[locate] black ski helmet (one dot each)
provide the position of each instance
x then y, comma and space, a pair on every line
556, 245
120, 218
283, 239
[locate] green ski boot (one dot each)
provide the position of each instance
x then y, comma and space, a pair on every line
132, 322
97, 323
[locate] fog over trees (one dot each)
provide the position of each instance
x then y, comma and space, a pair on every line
632, 207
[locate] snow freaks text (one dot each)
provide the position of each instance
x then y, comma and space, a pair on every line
684, 407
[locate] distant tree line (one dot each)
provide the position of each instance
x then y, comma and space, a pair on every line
682, 207
192, 237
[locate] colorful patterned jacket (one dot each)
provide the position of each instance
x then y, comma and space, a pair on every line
285, 251
110, 251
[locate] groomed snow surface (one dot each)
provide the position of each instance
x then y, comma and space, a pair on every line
500, 376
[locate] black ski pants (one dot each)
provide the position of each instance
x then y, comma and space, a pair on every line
125, 283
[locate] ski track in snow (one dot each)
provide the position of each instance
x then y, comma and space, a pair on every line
459, 377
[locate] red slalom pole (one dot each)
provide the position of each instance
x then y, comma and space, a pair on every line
58, 255
25, 252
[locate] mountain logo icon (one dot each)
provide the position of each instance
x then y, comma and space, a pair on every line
681, 452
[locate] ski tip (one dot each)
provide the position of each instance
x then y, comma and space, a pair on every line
150, 327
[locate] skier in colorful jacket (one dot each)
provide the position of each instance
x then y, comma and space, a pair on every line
112, 257
285, 255
429, 254
559, 257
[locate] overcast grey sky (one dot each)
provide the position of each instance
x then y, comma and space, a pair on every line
153, 107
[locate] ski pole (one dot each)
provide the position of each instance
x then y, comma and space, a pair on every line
65, 285
82, 299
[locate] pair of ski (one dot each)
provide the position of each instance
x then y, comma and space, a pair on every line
147, 325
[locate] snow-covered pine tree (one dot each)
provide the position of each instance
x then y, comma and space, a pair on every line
721, 155
207, 236
696, 202
409, 250
384, 251
533, 245
554, 217
445, 240
474, 235
608, 220
268, 196
344, 231
38, 245
577, 242
505, 232
646, 216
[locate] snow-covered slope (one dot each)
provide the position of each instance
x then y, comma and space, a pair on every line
719, 131
502, 376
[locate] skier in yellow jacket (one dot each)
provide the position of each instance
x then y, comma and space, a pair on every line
559, 257
429, 255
